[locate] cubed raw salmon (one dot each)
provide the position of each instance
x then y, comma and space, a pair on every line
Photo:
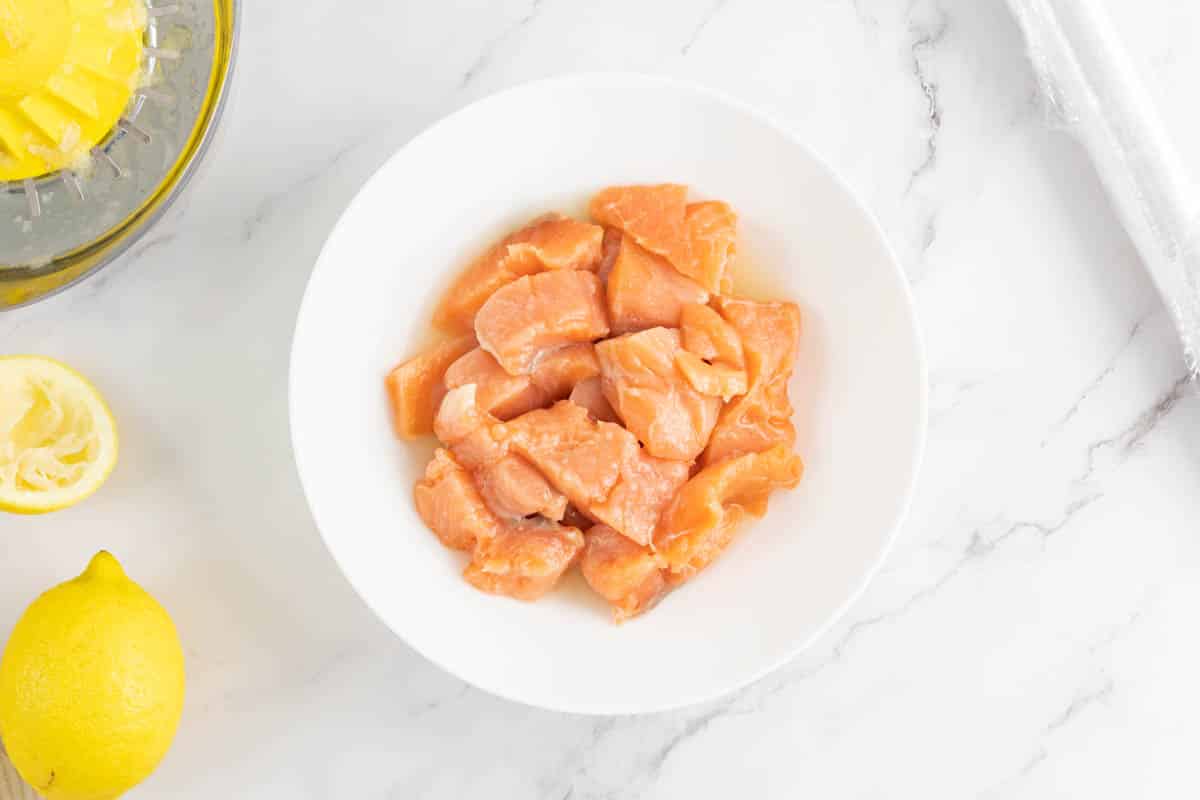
513, 488
549, 242
502, 395
709, 336
538, 313
416, 387
558, 372
655, 216
712, 239
598, 466
626, 574
475, 437
671, 433
714, 380
524, 561
459, 415
609, 249
590, 395
581, 458
651, 396
770, 335
510, 486
702, 519
645, 487
449, 503
644, 291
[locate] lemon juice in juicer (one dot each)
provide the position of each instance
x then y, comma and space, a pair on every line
106, 107
68, 69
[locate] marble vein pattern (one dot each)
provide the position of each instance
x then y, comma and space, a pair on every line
1032, 635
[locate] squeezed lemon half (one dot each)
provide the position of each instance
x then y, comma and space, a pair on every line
67, 71
58, 441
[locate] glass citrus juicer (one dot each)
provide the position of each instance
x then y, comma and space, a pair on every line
106, 109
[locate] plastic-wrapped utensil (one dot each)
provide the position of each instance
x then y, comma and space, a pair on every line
11, 785
1094, 93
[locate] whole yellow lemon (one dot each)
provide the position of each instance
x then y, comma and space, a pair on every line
91, 686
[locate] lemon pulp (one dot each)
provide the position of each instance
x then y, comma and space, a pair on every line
58, 442
67, 71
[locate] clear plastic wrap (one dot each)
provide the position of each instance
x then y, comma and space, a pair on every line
1093, 91
11, 785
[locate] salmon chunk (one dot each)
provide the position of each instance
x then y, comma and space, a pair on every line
709, 336
524, 561
645, 487
590, 395
712, 239
598, 466
506, 396
644, 291
558, 372
416, 387
556, 242
538, 313
652, 397
770, 335
713, 380
460, 418
581, 458
702, 519
510, 486
502, 395
655, 216
627, 575
609, 249
712, 358
549, 242
449, 503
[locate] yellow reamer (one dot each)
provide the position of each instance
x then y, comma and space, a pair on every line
67, 71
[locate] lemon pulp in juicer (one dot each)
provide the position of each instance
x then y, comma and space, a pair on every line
67, 71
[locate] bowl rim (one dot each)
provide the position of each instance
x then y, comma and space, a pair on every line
642, 81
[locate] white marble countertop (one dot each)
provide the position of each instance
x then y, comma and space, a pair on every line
1033, 634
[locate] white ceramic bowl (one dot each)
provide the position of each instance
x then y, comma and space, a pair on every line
859, 390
